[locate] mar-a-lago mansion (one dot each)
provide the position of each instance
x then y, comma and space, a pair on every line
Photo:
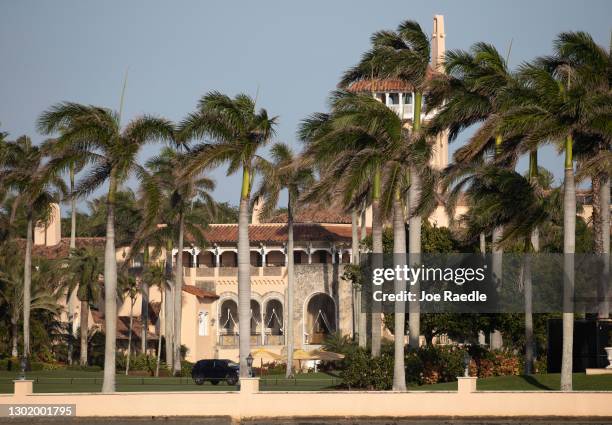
323, 300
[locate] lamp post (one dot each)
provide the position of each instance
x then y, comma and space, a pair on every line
249, 360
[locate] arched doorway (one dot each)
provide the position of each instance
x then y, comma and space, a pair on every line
320, 318
228, 323
256, 326
273, 323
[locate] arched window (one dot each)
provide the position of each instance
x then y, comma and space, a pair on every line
273, 323
320, 320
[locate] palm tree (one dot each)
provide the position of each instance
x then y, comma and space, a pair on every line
363, 136
12, 282
127, 286
403, 54
84, 272
181, 192
24, 172
236, 130
156, 276
73, 168
96, 135
564, 108
285, 173
503, 198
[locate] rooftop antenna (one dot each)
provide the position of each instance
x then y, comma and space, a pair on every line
123, 93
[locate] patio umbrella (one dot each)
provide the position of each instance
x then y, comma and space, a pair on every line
327, 356
262, 353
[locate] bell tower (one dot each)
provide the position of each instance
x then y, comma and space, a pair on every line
439, 159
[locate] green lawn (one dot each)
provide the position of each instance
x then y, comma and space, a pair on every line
548, 382
78, 381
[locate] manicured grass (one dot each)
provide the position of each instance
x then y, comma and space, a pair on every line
60, 381
547, 382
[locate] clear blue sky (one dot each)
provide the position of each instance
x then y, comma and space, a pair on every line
294, 51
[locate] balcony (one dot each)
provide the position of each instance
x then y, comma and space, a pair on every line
216, 272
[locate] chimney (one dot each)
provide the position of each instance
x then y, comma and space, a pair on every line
438, 45
50, 233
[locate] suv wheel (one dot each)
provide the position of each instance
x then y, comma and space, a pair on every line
232, 380
198, 381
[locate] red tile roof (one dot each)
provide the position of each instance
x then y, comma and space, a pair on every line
62, 249
199, 292
313, 214
387, 85
277, 233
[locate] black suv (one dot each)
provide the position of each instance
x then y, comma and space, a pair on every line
215, 371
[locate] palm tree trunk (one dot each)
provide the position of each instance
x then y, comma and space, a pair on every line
178, 299
72, 247
144, 307
159, 335
363, 318
169, 307
27, 286
377, 260
244, 275
84, 331
497, 256
129, 348
600, 202
414, 248
483, 244
531, 244
14, 337
110, 290
355, 261
604, 199
399, 260
569, 246
290, 288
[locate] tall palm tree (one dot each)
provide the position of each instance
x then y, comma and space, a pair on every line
127, 286
96, 135
180, 192
24, 172
155, 275
12, 281
84, 271
235, 130
503, 198
285, 172
403, 54
563, 108
361, 138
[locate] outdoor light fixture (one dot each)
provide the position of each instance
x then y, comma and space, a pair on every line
249, 360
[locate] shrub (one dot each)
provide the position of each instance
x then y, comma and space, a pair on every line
36, 366
363, 371
186, 368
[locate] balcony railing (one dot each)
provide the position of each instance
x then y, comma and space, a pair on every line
214, 272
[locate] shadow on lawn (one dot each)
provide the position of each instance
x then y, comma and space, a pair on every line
534, 382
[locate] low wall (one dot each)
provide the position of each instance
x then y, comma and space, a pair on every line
249, 402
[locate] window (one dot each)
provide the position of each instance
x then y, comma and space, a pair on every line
393, 98
407, 98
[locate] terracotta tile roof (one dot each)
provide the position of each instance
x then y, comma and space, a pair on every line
62, 249
123, 326
386, 84
313, 214
198, 292
277, 233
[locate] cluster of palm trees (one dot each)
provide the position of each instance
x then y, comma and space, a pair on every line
360, 154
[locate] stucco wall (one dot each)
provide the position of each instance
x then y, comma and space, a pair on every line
249, 402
